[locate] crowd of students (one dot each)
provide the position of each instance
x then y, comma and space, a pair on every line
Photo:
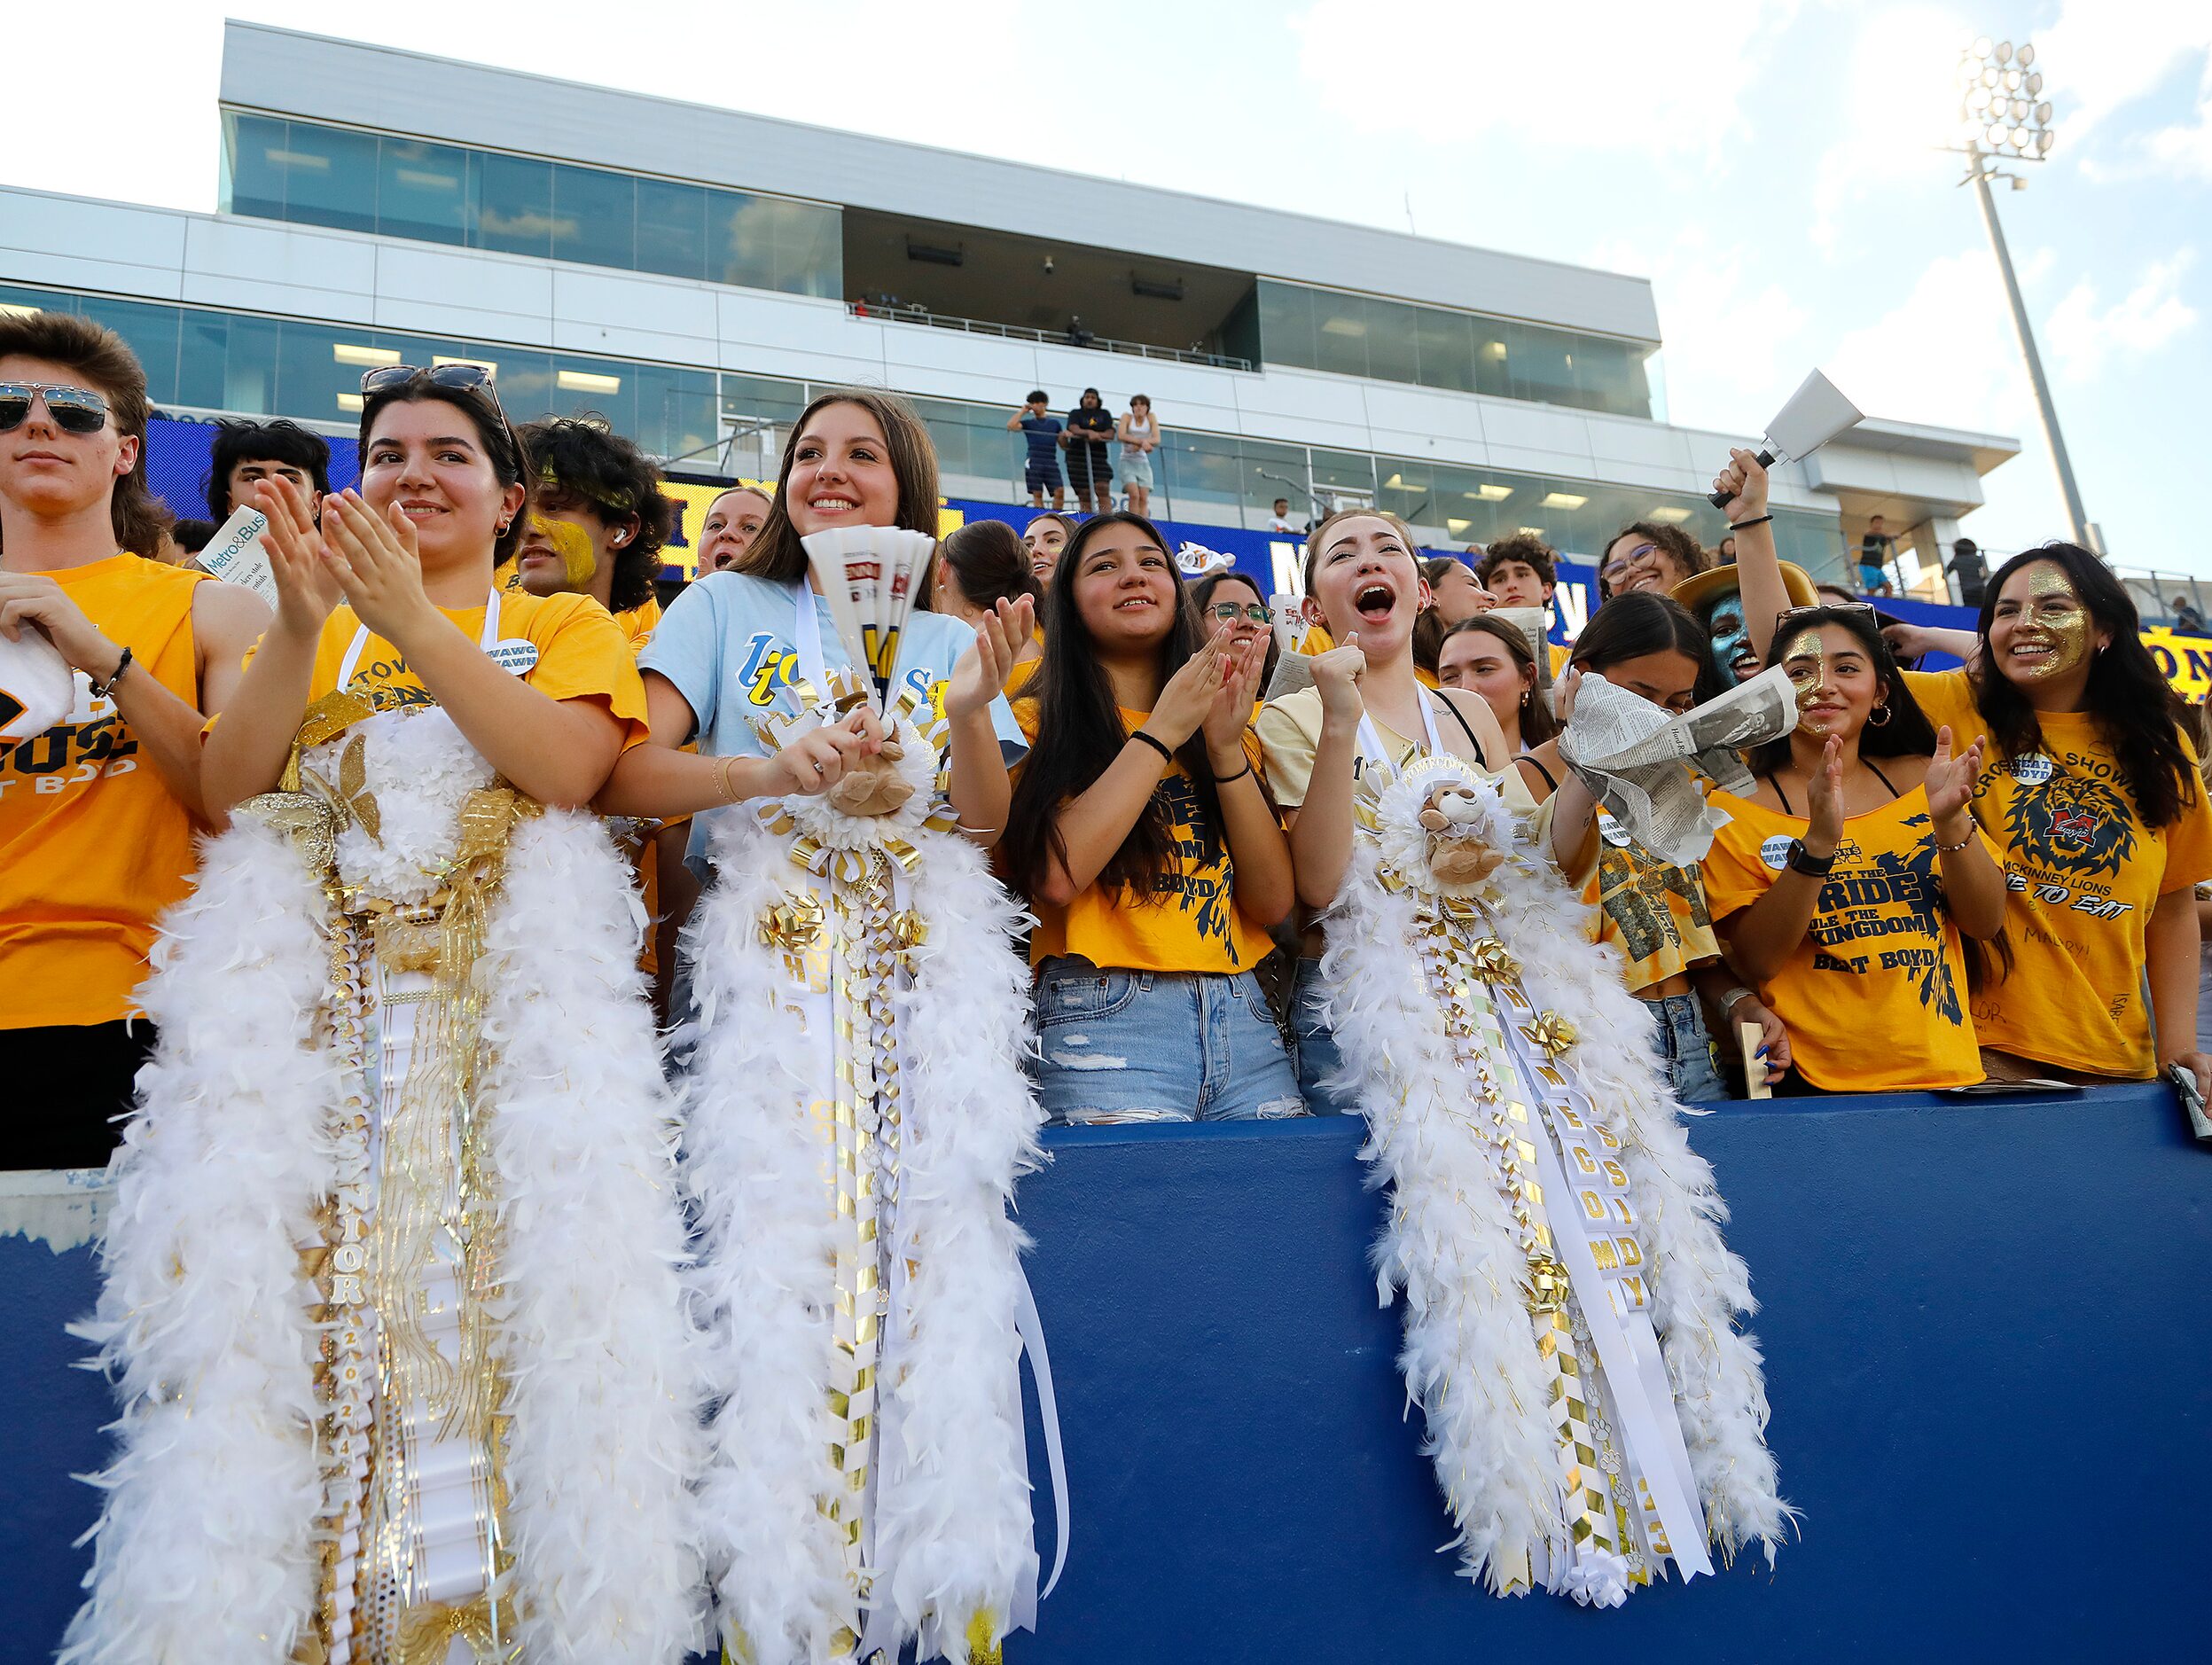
1936, 879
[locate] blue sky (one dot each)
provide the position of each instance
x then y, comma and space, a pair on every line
1769, 167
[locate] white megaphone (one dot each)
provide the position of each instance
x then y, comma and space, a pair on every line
1816, 413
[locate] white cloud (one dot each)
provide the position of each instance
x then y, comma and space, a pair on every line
2148, 318
2102, 55
1733, 342
1904, 63
1623, 75
1945, 354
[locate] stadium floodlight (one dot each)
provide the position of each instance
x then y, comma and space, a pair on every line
2003, 117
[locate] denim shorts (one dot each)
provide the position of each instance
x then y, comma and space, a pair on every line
1686, 1049
1158, 1046
1318, 1058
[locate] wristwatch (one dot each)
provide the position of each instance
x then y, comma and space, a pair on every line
1803, 861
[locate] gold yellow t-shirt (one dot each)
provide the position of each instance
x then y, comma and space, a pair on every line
1875, 996
581, 656
636, 623
2082, 875
1654, 912
93, 846
1190, 924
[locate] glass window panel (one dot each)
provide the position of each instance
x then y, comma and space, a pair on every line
741, 239
595, 216
758, 398
203, 344
151, 332
514, 203
422, 191
1339, 332
950, 432
675, 411
311, 379
330, 176
1459, 506
809, 252
1405, 488
1540, 364
1493, 358
1354, 469
525, 380
671, 228
1286, 324
1390, 351
1445, 341
1272, 470
599, 387
249, 368
1201, 476
253, 148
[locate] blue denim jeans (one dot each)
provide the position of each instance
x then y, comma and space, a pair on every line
1158, 1046
1318, 1058
1686, 1049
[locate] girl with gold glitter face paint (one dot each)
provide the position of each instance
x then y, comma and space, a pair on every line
2041, 638
1839, 691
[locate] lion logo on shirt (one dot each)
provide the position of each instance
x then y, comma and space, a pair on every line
2071, 825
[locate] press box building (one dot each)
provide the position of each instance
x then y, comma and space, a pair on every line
695, 274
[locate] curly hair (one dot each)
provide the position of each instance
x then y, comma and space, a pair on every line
583, 456
1688, 553
1525, 547
139, 518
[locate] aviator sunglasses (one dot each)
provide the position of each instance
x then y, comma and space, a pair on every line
74, 410
461, 378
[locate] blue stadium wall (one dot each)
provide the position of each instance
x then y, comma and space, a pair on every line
1988, 1340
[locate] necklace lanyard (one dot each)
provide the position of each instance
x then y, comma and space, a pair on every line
807, 637
360, 639
1371, 736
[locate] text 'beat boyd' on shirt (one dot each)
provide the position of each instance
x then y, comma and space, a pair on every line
2082, 877
92, 844
1875, 995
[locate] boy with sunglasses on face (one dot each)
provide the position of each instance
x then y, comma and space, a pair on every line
97, 810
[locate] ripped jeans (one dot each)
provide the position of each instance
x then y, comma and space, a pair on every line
1158, 1046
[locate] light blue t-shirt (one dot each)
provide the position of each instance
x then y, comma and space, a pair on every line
726, 645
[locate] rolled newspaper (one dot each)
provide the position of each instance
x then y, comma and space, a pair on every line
1642, 761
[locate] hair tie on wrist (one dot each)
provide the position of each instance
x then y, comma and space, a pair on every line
1167, 756
1222, 780
1757, 519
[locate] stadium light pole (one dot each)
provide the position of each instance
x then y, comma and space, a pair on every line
2004, 118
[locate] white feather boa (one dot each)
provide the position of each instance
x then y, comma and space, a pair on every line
953, 1524
1469, 1358
205, 1548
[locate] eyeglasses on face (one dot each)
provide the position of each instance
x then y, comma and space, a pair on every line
471, 379
1637, 557
1231, 610
74, 410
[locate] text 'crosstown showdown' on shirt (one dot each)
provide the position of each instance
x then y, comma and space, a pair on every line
2082, 875
92, 844
1875, 995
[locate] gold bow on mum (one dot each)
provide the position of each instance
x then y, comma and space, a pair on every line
1551, 1032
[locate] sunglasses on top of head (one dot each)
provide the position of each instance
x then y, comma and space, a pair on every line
472, 378
73, 410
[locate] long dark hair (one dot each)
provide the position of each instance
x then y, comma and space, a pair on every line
1202, 597
2135, 710
988, 563
1640, 621
1079, 733
776, 552
1429, 624
1907, 733
1536, 723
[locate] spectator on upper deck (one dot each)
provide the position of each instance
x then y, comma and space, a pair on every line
1089, 469
1041, 471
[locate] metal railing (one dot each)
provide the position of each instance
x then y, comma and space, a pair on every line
1074, 337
